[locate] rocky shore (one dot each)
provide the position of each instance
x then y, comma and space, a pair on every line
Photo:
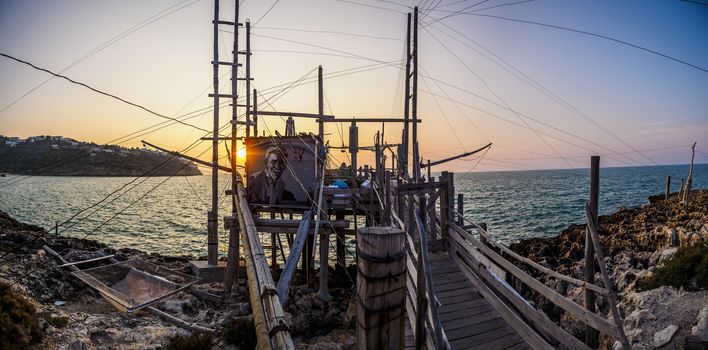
71, 315
639, 244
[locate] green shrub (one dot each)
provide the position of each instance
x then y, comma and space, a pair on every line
196, 341
240, 332
688, 269
19, 325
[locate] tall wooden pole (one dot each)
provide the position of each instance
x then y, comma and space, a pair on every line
406, 109
212, 233
248, 75
255, 113
591, 335
233, 256
668, 187
414, 109
320, 109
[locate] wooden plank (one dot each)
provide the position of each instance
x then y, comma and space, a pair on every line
457, 314
296, 223
538, 318
476, 339
518, 346
474, 329
474, 306
576, 310
462, 291
498, 343
295, 251
471, 320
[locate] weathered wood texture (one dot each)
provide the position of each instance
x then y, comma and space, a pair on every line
291, 263
380, 288
591, 335
271, 328
469, 320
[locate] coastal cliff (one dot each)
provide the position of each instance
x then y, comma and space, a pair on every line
61, 156
655, 256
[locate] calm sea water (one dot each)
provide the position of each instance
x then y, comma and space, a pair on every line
172, 218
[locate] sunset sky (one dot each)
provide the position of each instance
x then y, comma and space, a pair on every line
485, 78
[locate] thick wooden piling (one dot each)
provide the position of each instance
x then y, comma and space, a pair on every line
668, 187
380, 288
591, 335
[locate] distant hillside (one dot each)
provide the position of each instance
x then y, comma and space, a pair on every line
61, 156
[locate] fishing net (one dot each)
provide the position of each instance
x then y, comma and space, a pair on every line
134, 284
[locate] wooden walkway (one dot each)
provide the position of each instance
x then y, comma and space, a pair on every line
469, 321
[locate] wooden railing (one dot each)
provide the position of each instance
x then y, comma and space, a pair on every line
421, 302
475, 258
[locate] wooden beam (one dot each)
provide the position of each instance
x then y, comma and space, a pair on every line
291, 263
323, 118
367, 120
196, 160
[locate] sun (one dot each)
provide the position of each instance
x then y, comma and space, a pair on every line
241, 154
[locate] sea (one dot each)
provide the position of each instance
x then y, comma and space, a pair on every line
171, 218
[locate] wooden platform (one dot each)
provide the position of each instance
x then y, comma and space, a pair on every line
468, 319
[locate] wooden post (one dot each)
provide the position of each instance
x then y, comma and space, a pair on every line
354, 148
405, 139
591, 335
233, 257
273, 246
341, 258
668, 187
414, 108
212, 228
444, 211
255, 113
56, 229
689, 179
320, 103
430, 179
460, 209
450, 199
323, 293
248, 77
380, 288
483, 226
307, 260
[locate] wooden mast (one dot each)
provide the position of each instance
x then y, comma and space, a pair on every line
414, 108
212, 229
406, 109
234, 256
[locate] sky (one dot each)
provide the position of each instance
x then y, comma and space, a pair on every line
545, 97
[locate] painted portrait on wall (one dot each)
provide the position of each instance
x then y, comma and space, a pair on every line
280, 170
